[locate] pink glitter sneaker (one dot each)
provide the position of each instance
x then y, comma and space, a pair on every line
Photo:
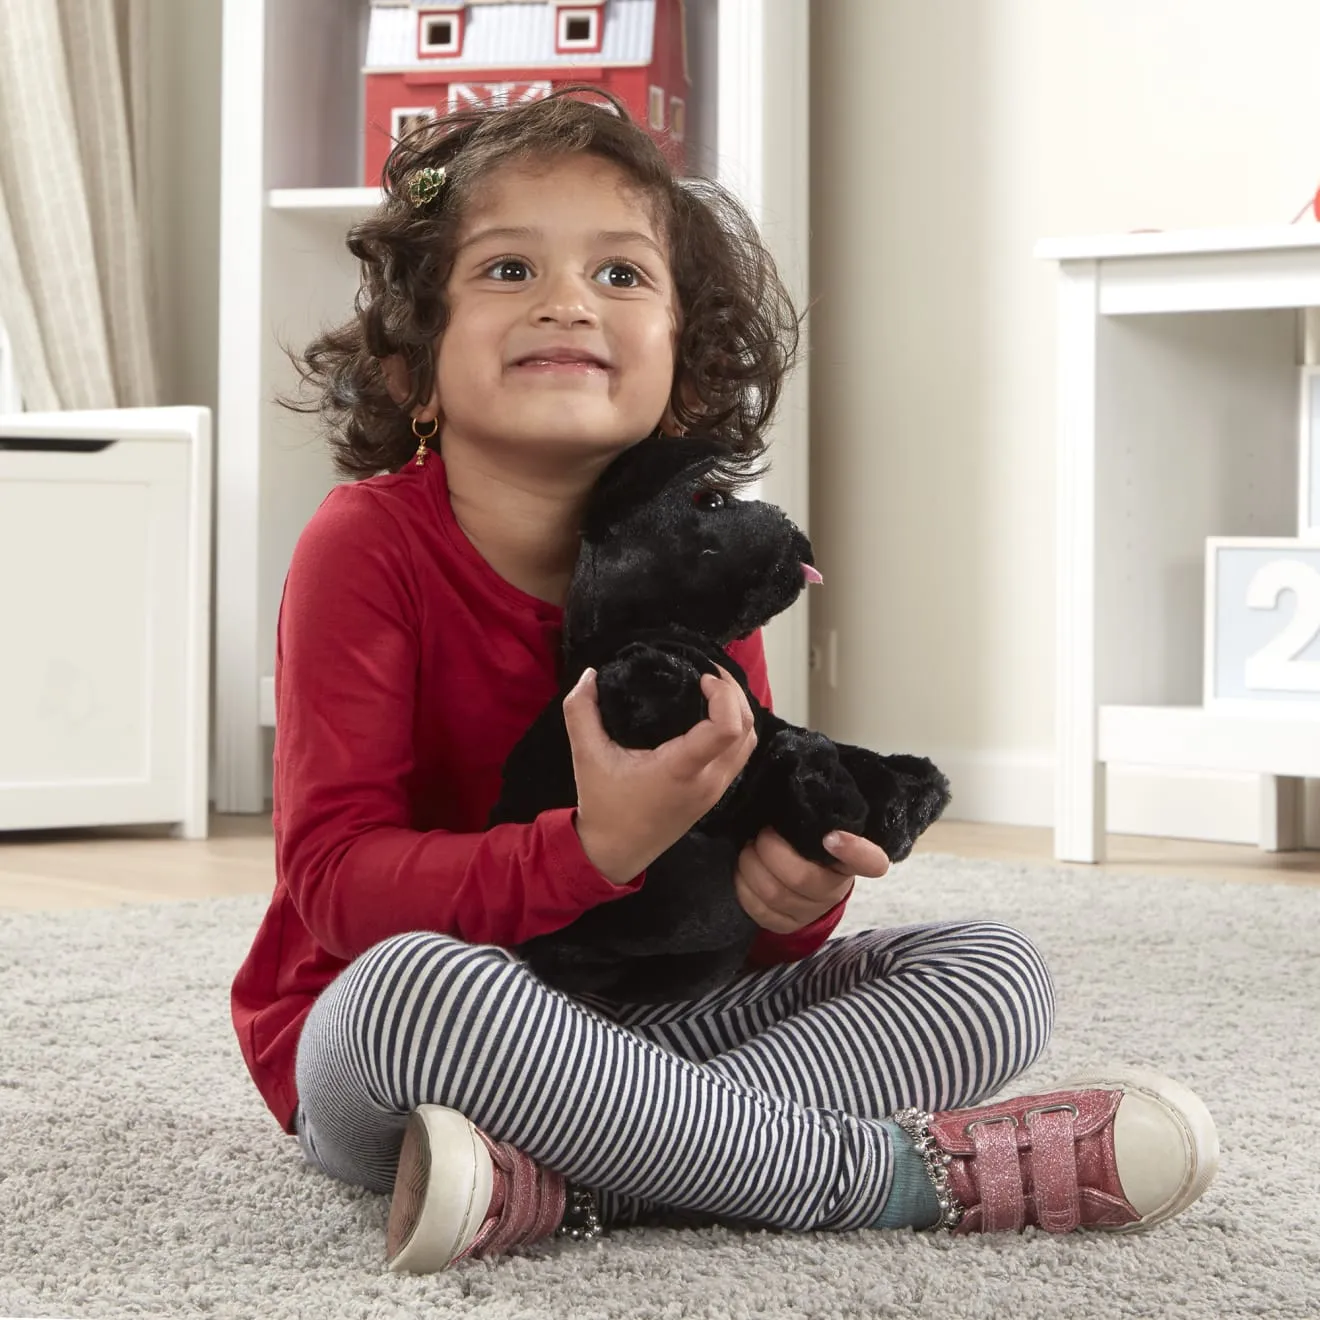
457, 1194
1121, 1151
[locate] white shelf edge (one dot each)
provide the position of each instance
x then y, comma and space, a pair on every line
322, 199
1172, 242
1194, 738
266, 703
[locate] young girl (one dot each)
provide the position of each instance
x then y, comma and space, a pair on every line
538, 294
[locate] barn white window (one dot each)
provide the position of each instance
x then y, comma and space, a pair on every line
677, 118
577, 30
405, 118
439, 32
655, 108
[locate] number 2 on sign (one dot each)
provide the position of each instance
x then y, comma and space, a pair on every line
1275, 667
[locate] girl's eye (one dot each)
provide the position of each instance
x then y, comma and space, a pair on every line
709, 499
620, 275
509, 269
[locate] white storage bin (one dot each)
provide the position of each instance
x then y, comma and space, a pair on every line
105, 535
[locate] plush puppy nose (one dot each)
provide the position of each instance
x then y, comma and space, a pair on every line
810, 574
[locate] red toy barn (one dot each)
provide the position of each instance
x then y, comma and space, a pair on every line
425, 58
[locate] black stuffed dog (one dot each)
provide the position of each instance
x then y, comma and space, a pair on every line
673, 568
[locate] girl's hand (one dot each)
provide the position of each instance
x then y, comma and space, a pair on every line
783, 892
633, 803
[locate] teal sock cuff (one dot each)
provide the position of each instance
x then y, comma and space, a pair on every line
912, 1201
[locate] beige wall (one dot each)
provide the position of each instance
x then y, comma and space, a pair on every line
947, 137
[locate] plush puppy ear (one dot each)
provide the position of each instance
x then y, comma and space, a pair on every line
642, 472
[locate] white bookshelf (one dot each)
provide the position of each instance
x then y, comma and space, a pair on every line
335, 207
1194, 738
290, 169
1178, 386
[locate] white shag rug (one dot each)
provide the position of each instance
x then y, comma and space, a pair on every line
140, 1174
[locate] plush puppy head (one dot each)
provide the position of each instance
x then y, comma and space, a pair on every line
667, 542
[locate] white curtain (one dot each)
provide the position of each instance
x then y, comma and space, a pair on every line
73, 293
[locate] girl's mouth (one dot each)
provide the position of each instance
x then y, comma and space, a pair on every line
561, 359
564, 366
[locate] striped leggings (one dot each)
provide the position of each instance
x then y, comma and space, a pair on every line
760, 1103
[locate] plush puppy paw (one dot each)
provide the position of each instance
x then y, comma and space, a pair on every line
905, 795
648, 695
813, 792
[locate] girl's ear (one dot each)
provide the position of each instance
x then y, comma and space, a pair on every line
397, 379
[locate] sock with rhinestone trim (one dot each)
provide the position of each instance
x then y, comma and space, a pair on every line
912, 1201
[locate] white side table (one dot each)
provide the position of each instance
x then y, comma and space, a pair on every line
1177, 421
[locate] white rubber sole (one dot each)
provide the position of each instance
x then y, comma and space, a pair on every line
1165, 1143
441, 1191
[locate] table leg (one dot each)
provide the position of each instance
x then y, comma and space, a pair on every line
1079, 794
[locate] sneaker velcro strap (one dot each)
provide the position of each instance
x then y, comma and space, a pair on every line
530, 1201
1094, 1108
998, 1173
1054, 1166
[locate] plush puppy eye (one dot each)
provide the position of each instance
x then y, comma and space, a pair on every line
709, 499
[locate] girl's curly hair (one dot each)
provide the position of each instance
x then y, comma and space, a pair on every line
738, 331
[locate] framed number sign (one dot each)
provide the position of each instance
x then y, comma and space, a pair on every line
1262, 634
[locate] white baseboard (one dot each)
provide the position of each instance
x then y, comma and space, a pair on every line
1005, 788
1018, 789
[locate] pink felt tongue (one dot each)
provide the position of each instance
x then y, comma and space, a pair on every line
810, 574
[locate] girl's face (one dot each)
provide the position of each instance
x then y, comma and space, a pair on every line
562, 315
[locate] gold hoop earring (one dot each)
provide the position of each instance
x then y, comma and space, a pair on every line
422, 439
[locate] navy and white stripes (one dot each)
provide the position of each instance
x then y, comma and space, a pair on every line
759, 1103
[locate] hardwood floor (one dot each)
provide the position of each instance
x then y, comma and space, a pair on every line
78, 869
70, 869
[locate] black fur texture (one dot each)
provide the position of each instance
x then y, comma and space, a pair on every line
672, 568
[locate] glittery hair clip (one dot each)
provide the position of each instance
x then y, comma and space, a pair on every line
425, 185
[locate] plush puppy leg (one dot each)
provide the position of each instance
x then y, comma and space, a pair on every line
806, 792
905, 796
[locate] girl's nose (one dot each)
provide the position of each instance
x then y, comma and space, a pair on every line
565, 302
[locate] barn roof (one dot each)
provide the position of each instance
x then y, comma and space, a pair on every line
510, 34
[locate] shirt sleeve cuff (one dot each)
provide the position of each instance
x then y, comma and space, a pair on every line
771, 948
576, 870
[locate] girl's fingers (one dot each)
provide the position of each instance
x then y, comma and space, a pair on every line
729, 762
725, 726
763, 882
721, 702
728, 702
855, 855
582, 714
767, 900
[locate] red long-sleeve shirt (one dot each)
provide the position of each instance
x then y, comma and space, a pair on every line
406, 669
